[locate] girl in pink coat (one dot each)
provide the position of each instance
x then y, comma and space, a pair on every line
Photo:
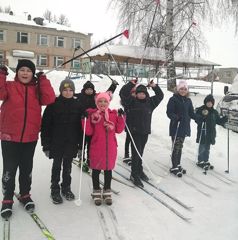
103, 124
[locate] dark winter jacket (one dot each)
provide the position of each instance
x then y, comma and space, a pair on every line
20, 116
61, 128
208, 123
88, 101
180, 111
139, 112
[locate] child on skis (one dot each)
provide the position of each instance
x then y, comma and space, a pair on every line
127, 158
206, 130
179, 111
103, 124
139, 113
60, 136
87, 100
19, 128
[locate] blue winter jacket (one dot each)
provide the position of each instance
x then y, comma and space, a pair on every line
180, 111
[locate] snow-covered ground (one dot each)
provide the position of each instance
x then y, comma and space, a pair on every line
134, 214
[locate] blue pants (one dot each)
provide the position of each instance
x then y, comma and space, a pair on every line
203, 152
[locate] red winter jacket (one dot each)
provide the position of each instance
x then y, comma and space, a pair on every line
103, 147
20, 116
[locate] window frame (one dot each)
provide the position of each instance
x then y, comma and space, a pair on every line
20, 37
41, 58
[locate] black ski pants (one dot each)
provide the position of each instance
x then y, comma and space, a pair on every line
107, 179
177, 146
136, 164
127, 144
17, 155
66, 173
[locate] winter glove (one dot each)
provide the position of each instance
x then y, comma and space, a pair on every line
151, 84
120, 112
39, 74
4, 70
47, 153
134, 81
84, 115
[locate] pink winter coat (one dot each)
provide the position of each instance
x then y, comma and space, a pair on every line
20, 117
103, 147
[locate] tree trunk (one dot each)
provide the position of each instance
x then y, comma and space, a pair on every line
169, 47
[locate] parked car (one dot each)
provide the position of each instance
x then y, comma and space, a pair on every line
228, 105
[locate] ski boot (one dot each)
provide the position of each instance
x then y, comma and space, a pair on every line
6, 210
67, 193
56, 197
202, 165
144, 177
208, 164
181, 169
136, 180
27, 202
107, 196
176, 172
97, 196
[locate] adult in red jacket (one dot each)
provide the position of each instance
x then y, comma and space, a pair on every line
103, 124
20, 121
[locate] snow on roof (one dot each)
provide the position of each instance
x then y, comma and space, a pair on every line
156, 54
4, 17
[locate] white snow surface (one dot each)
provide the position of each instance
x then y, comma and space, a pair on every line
136, 215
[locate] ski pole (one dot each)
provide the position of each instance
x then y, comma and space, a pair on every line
132, 140
176, 133
228, 147
192, 24
78, 202
97, 63
76, 49
125, 33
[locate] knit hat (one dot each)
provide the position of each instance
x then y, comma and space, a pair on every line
141, 88
67, 83
87, 85
182, 84
26, 63
105, 95
209, 98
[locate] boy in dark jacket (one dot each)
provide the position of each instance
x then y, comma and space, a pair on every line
180, 111
206, 130
139, 113
87, 100
60, 137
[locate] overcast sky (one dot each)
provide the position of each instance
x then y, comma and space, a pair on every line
93, 16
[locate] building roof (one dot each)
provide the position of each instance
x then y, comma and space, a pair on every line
133, 54
5, 17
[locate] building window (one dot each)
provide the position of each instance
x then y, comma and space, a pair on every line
42, 60
22, 37
75, 64
1, 57
76, 43
59, 42
1, 35
58, 61
42, 40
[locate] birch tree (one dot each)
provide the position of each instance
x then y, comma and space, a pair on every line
172, 21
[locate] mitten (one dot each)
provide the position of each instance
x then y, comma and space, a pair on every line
84, 115
120, 112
